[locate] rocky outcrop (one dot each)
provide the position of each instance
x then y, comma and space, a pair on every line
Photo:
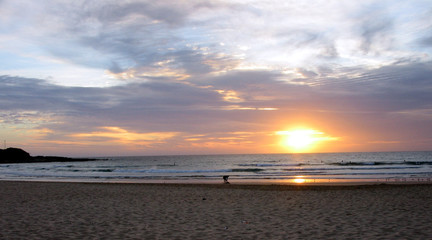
14, 155
17, 155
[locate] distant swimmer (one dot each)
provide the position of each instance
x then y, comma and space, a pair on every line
225, 178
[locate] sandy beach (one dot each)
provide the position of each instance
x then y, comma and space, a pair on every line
34, 210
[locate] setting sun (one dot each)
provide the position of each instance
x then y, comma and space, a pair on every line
302, 140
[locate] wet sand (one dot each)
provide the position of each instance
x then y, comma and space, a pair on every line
34, 210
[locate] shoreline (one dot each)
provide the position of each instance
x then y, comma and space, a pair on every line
239, 182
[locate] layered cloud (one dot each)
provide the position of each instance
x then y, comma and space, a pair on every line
219, 76
191, 114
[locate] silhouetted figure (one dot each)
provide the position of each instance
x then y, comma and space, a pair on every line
225, 178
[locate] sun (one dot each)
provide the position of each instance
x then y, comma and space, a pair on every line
300, 140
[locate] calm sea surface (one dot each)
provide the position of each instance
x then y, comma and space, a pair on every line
322, 167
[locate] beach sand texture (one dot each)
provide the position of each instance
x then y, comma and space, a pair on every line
32, 210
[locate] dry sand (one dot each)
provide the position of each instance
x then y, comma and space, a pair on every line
31, 210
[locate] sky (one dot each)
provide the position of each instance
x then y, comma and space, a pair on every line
115, 78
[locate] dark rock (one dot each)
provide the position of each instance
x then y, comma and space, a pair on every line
17, 155
14, 155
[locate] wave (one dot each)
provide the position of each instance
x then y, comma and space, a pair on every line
347, 168
350, 163
323, 173
144, 171
104, 170
169, 170
256, 167
383, 163
248, 170
269, 165
193, 171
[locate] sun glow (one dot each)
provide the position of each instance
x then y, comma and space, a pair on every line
299, 180
302, 140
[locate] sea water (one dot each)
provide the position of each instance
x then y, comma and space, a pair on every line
316, 167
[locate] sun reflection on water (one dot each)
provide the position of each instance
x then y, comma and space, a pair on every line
299, 180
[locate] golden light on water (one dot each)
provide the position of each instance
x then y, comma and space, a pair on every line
299, 180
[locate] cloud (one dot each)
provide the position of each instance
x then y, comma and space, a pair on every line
159, 11
134, 103
388, 89
376, 30
123, 136
158, 41
73, 115
137, 39
427, 41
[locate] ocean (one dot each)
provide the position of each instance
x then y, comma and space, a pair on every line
246, 168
